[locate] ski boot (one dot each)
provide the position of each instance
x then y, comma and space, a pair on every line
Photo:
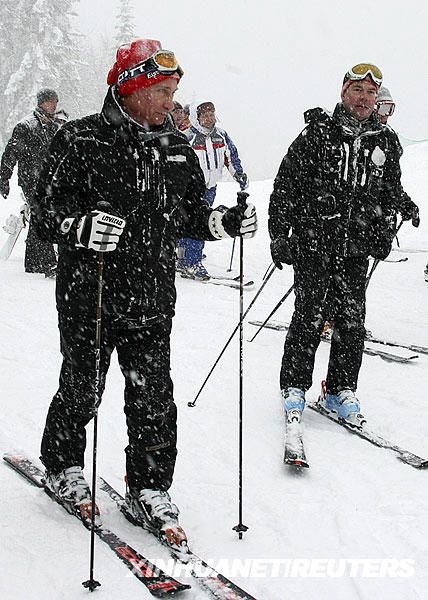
294, 403
196, 271
72, 491
154, 511
344, 406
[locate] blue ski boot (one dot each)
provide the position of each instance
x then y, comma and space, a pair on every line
294, 403
345, 405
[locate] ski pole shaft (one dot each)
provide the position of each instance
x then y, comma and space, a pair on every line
268, 276
241, 528
377, 260
91, 583
231, 256
273, 311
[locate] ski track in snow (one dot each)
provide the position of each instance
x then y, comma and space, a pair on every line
355, 501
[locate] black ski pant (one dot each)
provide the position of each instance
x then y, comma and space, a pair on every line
40, 256
342, 281
151, 415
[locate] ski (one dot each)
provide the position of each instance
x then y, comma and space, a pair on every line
219, 586
294, 452
370, 351
13, 227
156, 581
413, 347
365, 433
248, 285
231, 278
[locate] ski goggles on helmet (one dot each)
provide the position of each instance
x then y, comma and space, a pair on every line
360, 72
385, 108
162, 62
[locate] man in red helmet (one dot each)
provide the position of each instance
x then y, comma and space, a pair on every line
131, 158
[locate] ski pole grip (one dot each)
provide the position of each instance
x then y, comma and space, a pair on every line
242, 199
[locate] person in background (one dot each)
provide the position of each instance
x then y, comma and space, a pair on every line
333, 205
385, 107
126, 184
28, 147
215, 150
178, 116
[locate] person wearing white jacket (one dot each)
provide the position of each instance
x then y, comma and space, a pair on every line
215, 150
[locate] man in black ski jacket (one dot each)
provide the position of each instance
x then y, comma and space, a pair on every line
132, 159
333, 205
28, 147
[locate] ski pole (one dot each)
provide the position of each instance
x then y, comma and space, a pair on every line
377, 261
241, 528
285, 296
91, 583
231, 257
268, 276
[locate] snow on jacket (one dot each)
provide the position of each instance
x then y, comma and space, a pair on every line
338, 187
152, 180
28, 146
214, 149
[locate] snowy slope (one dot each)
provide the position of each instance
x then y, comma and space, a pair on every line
355, 502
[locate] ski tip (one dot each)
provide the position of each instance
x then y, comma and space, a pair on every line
296, 463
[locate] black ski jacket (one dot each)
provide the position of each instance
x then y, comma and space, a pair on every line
28, 146
152, 179
338, 187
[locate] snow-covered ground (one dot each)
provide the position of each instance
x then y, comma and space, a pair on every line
355, 502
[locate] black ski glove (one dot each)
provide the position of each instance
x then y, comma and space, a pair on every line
240, 220
409, 210
284, 250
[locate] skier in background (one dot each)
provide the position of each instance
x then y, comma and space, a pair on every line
334, 205
178, 116
215, 150
131, 157
28, 147
385, 107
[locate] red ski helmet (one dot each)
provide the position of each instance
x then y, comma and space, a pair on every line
140, 64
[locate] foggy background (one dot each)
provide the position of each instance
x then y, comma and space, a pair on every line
264, 63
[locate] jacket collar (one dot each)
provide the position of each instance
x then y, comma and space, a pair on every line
344, 120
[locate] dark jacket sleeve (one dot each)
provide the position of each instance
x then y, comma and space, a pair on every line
291, 183
58, 195
13, 151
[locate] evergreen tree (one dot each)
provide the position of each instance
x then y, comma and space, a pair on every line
13, 22
49, 57
125, 27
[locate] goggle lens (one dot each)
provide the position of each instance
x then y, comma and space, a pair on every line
385, 109
361, 71
166, 60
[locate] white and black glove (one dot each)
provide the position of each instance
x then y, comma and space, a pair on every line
98, 230
230, 222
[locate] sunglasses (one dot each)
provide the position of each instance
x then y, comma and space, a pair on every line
161, 62
360, 71
386, 108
